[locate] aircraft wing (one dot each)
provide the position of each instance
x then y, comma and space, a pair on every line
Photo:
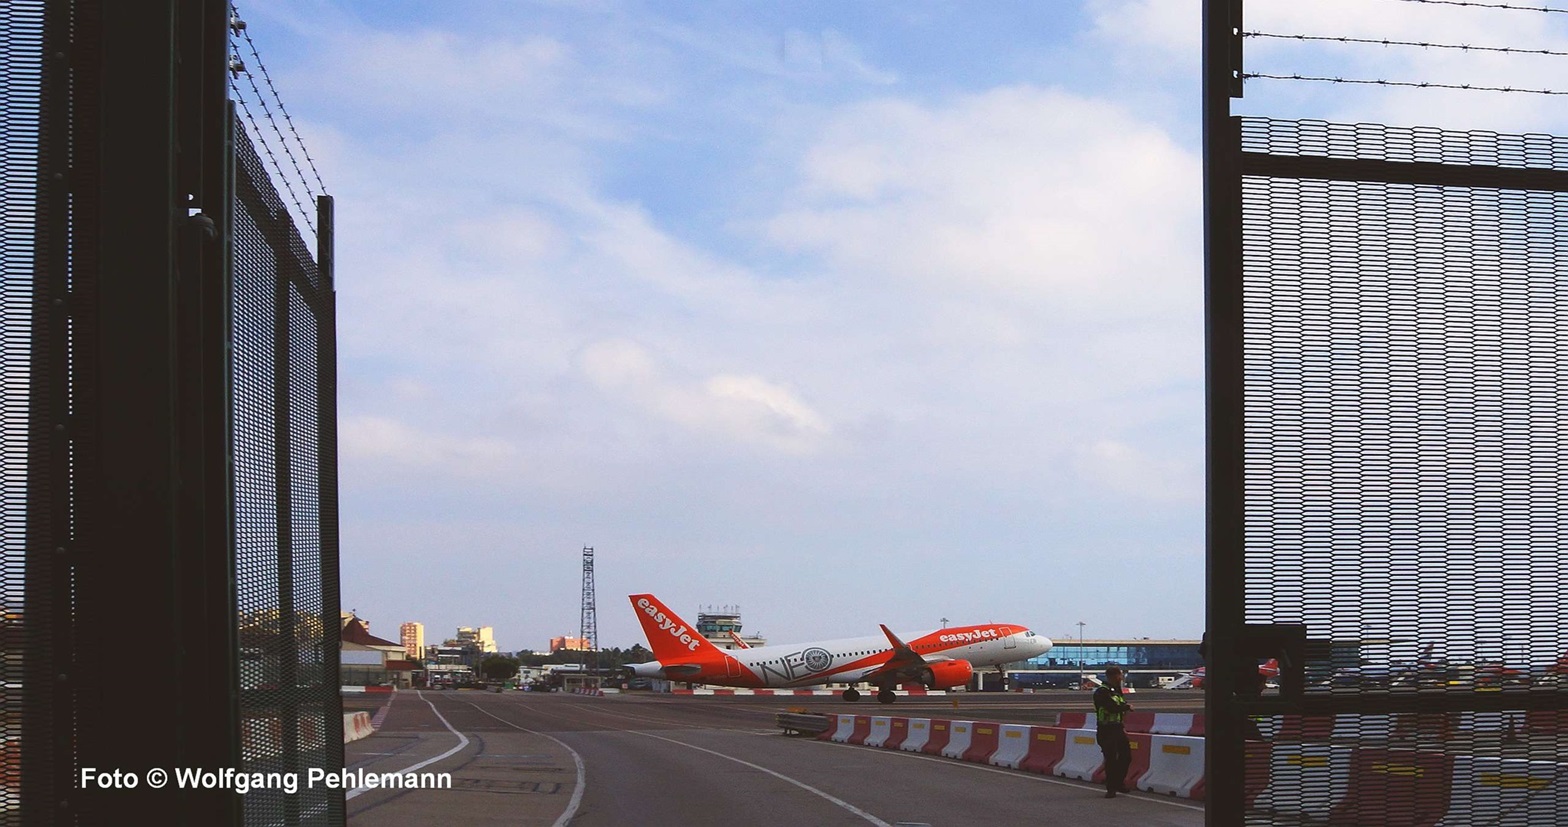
903, 663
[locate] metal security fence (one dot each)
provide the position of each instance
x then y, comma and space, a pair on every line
168, 543
23, 645
286, 554
1388, 501
1406, 499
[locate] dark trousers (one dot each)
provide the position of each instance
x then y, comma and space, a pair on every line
1118, 754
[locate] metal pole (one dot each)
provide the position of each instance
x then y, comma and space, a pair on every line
1080, 654
1224, 426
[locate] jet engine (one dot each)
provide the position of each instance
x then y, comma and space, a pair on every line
651, 669
945, 674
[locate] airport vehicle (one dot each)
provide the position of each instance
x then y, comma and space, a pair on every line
939, 659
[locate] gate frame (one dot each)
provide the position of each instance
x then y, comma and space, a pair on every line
1232, 647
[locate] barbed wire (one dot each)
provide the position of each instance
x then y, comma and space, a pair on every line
266, 145
1413, 84
1387, 42
1507, 6
240, 27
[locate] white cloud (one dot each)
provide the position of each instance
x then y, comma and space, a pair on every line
1126, 470
1029, 193
385, 441
745, 408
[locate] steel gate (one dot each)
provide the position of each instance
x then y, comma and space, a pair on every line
1388, 455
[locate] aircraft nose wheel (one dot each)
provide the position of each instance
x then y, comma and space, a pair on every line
851, 694
886, 696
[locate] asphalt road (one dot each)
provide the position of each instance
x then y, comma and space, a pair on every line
523, 758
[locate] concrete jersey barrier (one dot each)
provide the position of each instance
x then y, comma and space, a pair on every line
356, 725
1012, 746
919, 734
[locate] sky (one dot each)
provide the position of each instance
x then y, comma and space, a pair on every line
840, 314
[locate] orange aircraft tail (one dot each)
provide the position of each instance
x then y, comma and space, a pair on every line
673, 640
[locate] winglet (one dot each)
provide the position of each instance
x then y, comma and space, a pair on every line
899, 647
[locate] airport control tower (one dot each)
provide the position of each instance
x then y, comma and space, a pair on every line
717, 622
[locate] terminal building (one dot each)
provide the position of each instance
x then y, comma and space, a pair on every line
1148, 663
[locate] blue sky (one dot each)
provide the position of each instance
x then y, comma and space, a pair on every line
845, 314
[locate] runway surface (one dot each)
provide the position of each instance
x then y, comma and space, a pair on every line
556, 759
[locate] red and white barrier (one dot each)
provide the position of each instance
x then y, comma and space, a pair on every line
881, 727
1082, 758
861, 731
1175, 765
356, 725
1074, 720
1312, 778
937, 738
1176, 723
958, 741
1012, 746
1503, 789
845, 728
263, 737
1395, 788
919, 734
1305, 779
983, 741
1046, 747
1140, 745
897, 731
1332, 727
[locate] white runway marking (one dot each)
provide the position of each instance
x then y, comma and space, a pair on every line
462, 741
801, 784
582, 775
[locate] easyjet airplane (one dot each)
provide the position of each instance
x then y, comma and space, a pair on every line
941, 659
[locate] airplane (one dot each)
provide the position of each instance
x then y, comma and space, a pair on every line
1423, 671
939, 659
739, 644
1268, 671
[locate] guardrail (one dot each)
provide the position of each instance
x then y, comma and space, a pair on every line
802, 723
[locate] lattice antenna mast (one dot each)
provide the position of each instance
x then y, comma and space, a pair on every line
588, 634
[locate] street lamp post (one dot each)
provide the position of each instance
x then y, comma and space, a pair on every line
1080, 654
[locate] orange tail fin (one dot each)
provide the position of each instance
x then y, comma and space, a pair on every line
673, 640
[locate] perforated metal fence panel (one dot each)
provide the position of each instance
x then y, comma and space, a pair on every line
137, 364
1405, 377
22, 645
284, 367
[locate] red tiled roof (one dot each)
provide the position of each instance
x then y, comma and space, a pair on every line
355, 632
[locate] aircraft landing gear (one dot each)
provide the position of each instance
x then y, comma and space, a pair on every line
885, 696
851, 694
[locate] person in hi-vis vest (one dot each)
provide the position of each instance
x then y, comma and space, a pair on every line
1110, 709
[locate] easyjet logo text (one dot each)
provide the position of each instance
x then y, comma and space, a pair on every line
970, 637
668, 624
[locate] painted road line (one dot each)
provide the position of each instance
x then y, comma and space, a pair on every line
801, 784
462, 741
582, 775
